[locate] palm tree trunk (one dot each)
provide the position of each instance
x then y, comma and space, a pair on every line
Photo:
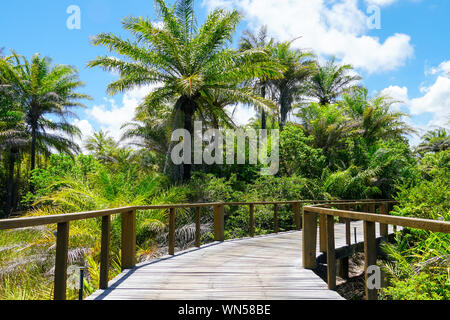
33, 149
188, 126
263, 112
9, 194
33, 155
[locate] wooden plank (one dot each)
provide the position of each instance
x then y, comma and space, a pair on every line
252, 220
418, 223
309, 239
331, 254
104, 253
197, 226
128, 240
62, 249
219, 232
322, 232
370, 255
383, 226
172, 212
296, 214
275, 218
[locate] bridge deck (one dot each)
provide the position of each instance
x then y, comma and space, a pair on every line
260, 268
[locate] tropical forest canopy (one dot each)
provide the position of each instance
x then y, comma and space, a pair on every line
337, 141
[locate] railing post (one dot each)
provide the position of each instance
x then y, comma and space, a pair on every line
309, 239
370, 255
129, 239
197, 227
296, 213
372, 208
219, 232
104, 253
331, 254
275, 218
322, 232
383, 227
172, 231
252, 220
62, 248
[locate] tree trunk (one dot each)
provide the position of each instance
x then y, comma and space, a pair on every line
263, 112
188, 126
9, 194
33, 149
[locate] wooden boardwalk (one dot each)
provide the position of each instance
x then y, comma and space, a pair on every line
260, 268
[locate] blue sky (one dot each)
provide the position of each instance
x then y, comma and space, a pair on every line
408, 57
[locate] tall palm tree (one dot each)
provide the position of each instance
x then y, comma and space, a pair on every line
46, 93
101, 146
434, 141
374, 116
329, 81
258, 40
328, 126
298, 67
188, 63
13, 137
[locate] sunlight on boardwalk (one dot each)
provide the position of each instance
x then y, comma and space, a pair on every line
262, 268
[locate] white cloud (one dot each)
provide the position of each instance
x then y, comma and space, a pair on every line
443, 69
435, 100
397, 93
336, 28
380, 2
111, 116
241, 114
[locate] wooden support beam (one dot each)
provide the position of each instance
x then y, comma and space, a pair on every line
370, 255
62, 249
331, 253
322, 232
104, 253
219, 232
275, 218
252, 220
172, 231
309, 239
129, 239
383, 227
296, 214
198, 218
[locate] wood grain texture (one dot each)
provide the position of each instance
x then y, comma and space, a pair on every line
259, 268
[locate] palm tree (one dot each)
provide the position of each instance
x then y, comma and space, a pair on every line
189, 63
13, 137
329, 81
434, 141
290, 88
46, 94
102, 146
374, 116
328, 126
150, 130
259, 40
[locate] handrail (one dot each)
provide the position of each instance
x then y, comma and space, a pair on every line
369, 218
128, 235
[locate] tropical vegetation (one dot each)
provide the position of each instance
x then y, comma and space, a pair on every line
336, 142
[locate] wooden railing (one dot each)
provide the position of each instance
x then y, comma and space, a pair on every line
347, 211
128, 232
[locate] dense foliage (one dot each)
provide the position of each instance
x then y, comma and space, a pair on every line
336, 142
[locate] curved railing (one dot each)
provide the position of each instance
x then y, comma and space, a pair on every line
128, 231
347, 211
